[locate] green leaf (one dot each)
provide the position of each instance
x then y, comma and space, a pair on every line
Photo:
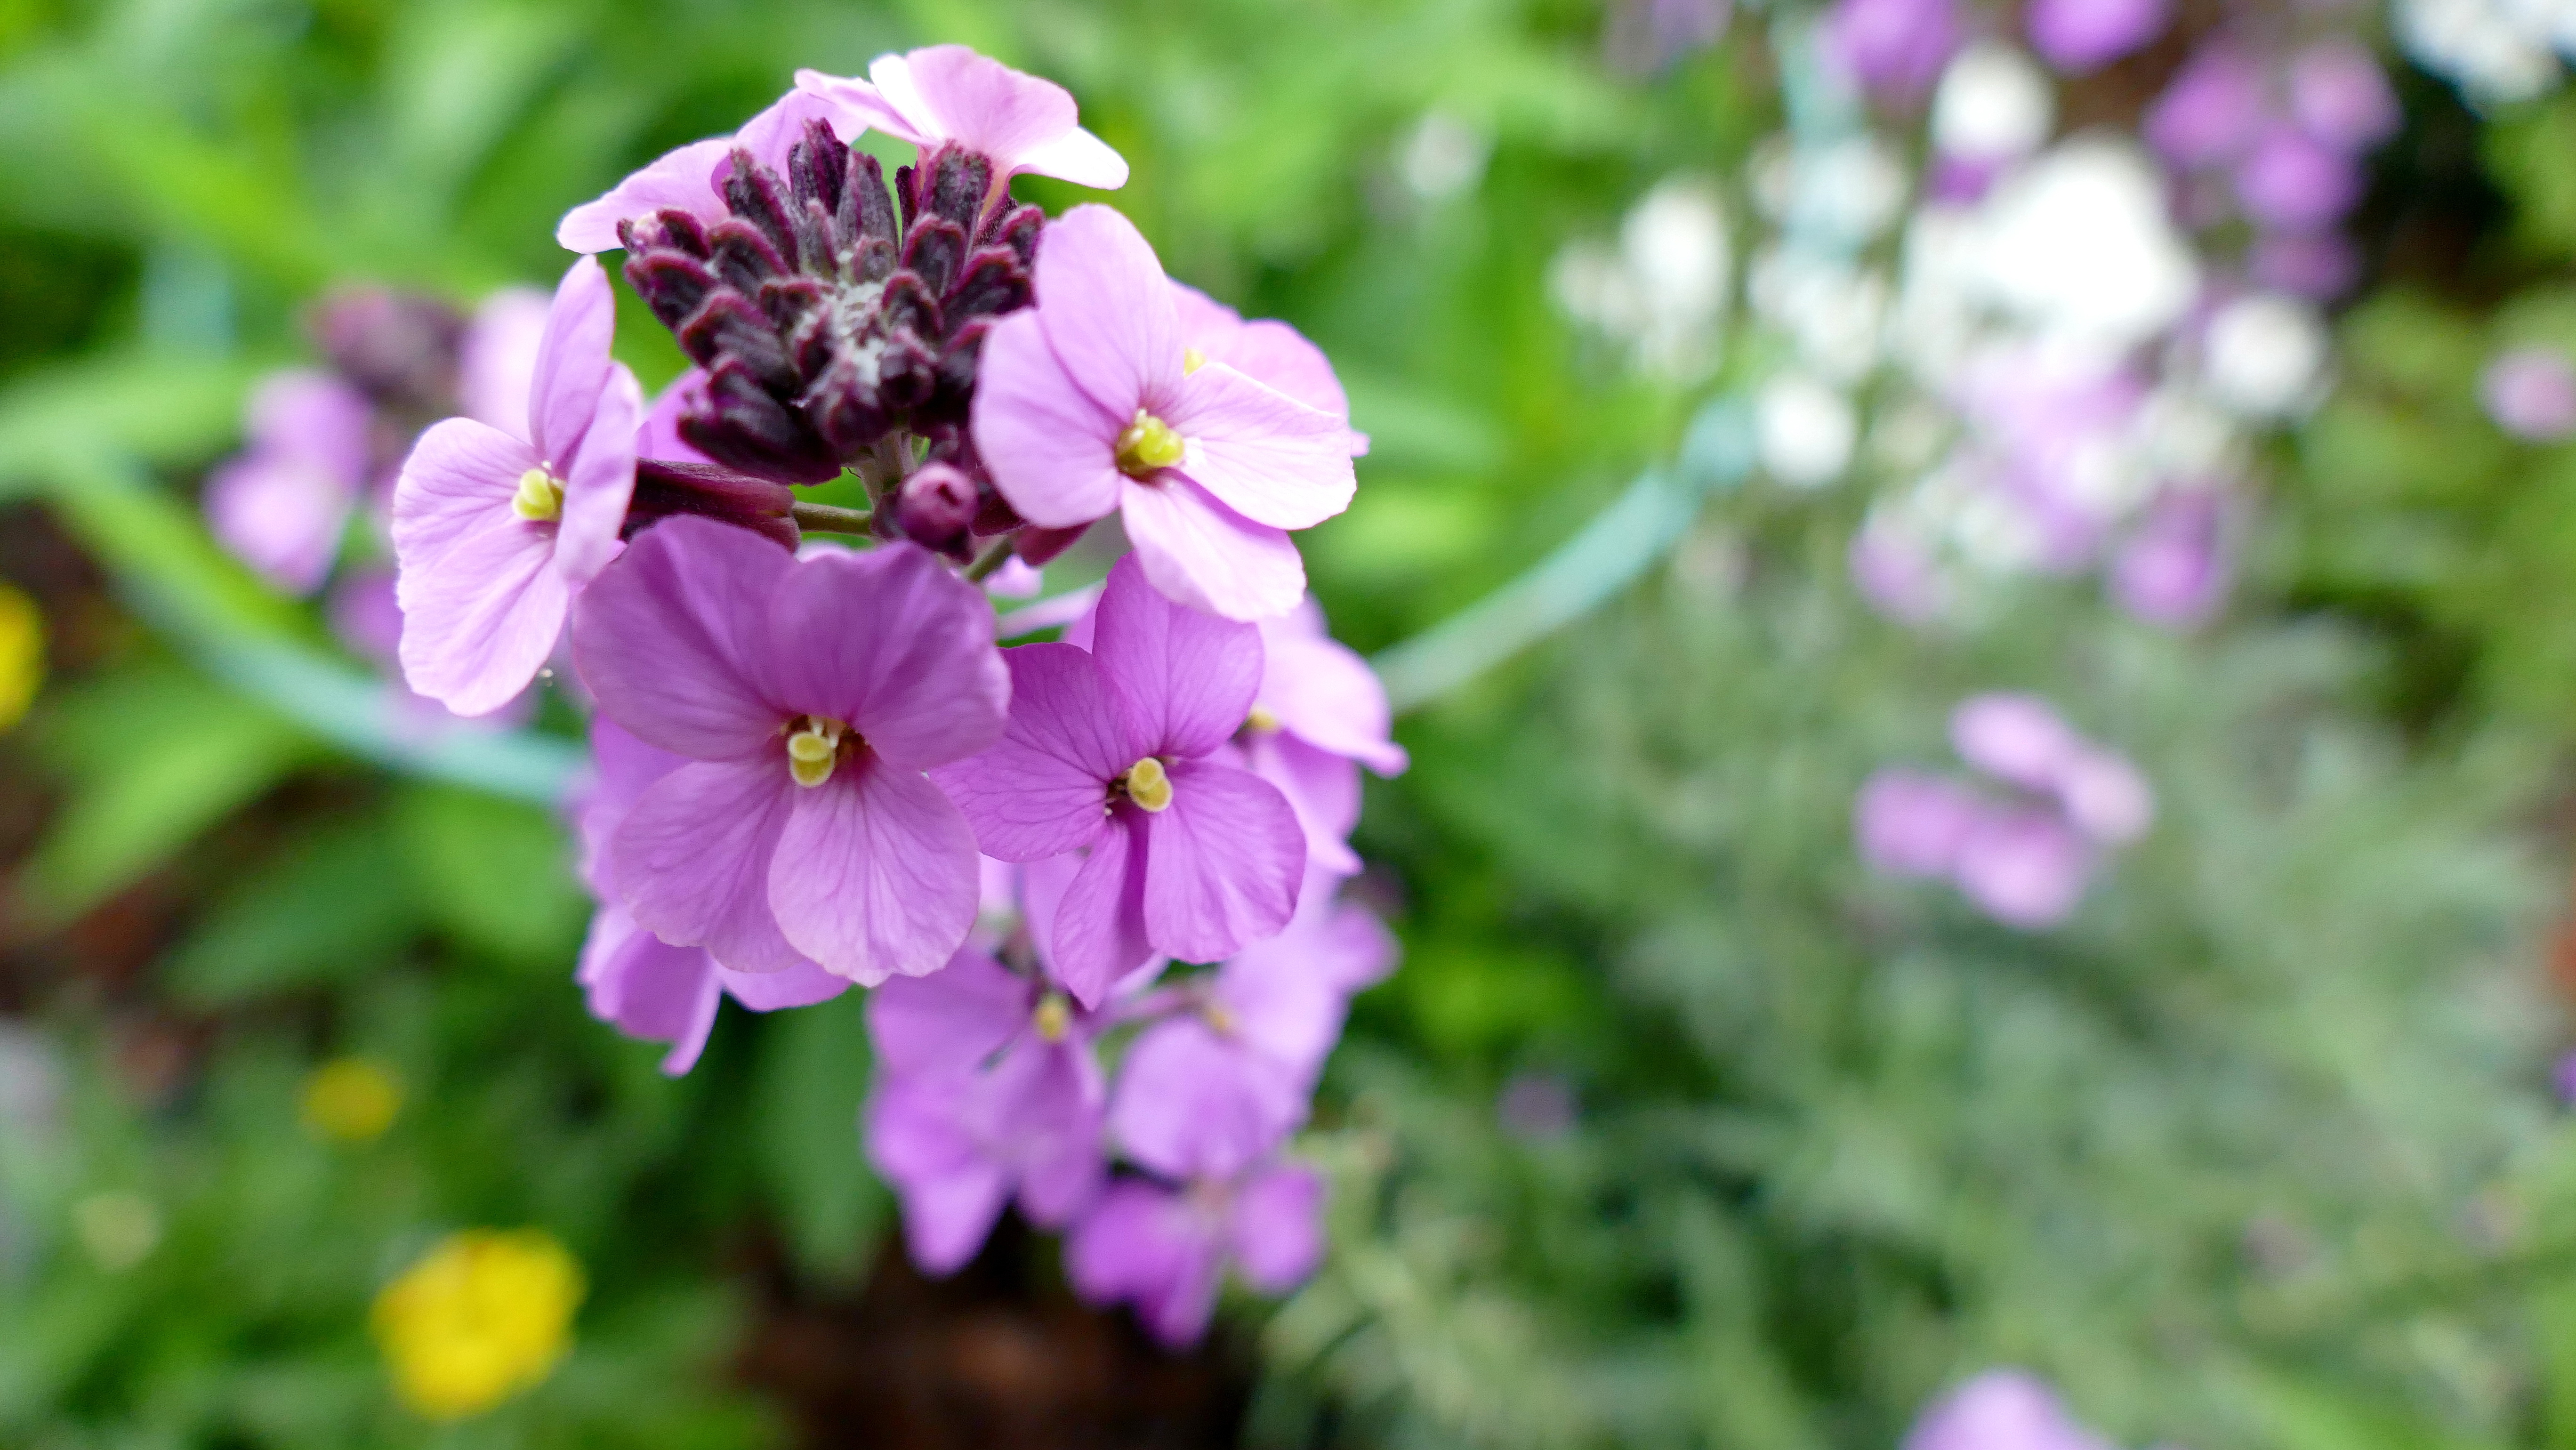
811, 1082
330, 908
495, 874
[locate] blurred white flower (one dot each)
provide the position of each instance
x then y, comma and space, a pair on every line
1804, 430
1834, 314
2498, 50
1664, 290
2078, 245
1994, 104
1443, 157
2265, 355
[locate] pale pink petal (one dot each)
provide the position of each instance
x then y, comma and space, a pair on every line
600, 481
1277, 1230
1206, 555
572, 363
950, 1020
1098, 931
1270, 458
920, 680
648, 988
951, 1190
1192, 1104
1050, 448
1043, 790
659, 436
281, 515
875, 875
693, 858
1076, 156
986, 106
1223, 864
772, 134
1322, 692
1184, 679
481, 604
1324, 790
665, 635
1108, 312
801, 985
864, 104
496, 364
682, 180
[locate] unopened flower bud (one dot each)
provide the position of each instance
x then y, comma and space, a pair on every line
935, 506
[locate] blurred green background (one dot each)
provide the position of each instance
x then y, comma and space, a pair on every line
2260, 1150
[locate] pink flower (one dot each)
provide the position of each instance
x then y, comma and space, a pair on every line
2082, 35
632, 978
1121, 752
496, 360
1267, 351
2530, 392
1165, 1250
2292, 182
2000, 1410
1089, 403
282, 505
2341, 96
691, 179
2025, 867
948, 93
1910, 823
2211, 109
494, 532
803, 828
1319, 715
1894, 47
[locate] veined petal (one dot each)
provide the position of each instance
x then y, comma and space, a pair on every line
1098, 933
1185, 679
1043, 790
984, 105
875, 875
693, 858
681, 180
1322, 692
666, 636
1207, 556
572, 363
1223, 863
950, 1020
600, 481
1076, 156
1108, 312
802, 985
1052, 451
919, 676
648, 988
1270, 458
481, 608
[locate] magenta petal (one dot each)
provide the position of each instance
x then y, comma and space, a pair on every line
1144, 1245
1052, 451
950, 1020
649, 988
1322, 692
875, 875
572, 363
951, 1190
1324, 790
496, 364
1183, 679
802, 985
1190, 1104
2024, 868
1278, 1229
1079, 157
1047, 1104
481, 605
1262, 453
665, 636
600, 481
681, 180
693, 857
1098, 931
281, 515
1223, 864
1207, 556
985, 105
1108, 312
1043, 790
921, 681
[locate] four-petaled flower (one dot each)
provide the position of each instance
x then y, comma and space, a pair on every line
1165, 1249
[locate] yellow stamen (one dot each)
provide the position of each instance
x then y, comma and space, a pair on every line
1192, 360
1054, 1017
1148, 445
1148, 784
540, 497
1261, 721
813, 748
1218, 1018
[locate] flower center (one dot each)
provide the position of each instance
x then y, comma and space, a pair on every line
1148, 445
1054, 1017
1148, 784
1192, 360
814, 745
1261, 721
1218, 1018
540, 496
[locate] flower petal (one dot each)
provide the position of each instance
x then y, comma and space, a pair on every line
1108, 312
1323, 789
572, 363
1223, 863
1184, 679
1192, 1104
1076, 156
1206, 555
1142, 1245
1270, 458
648, 988
600, 481
1052, 451
950, 1020
1097, 934
1322, 692
681, 180
922, 680
802, 985
496, 364
666, 635
876, 873
951, 1191
1277, 1231
481, 608
1043, 790
693, 859
984, 105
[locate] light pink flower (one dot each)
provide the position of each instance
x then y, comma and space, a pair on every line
1319, 716
691, 179
496, 361
1088, 404
283, 503
949, 93
1165, 1250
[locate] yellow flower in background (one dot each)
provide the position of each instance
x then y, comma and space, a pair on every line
22, 654
351, 1100
484, 1316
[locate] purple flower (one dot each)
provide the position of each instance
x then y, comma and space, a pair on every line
282, 505
2210, 111
2077, 36
494, 532
2025, 867
2291, 182
2530, 392
988, 1091
496, 360
2563, 1078
1268, 351
1896, 573
1319, 715
2105, 797
2019, 739
2321, 267
2000, 1410
644, 985
1120, 752
948, 93
1165, 1250
1910, 823
1895, 47
658, 438
691, 179
1089, 403
803, 828
2340, 96
2173, 570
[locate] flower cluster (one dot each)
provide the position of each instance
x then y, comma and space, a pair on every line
2024, 851
2001, 1409
816, 766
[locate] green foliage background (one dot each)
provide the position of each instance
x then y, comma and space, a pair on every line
2257, 1152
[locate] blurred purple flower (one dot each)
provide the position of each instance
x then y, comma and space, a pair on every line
1319, 715
2292, 182
1894, 47
2211, 109
282, 504
2320, 267
2172, 570
1165, 1250
2018, 739
1910, 822
2563, 1078
2340, 96
2000, 1410
2530, 392
1536, 1107
1644, 36
2025, 867
496, 362
1895, 573
2077, 36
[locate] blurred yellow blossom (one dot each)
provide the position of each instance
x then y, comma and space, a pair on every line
484, 1316
351, 1100
22, 654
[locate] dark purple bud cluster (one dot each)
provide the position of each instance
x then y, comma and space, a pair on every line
832, 318
401, 349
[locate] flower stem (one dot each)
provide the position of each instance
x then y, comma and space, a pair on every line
988, 561
824, 518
